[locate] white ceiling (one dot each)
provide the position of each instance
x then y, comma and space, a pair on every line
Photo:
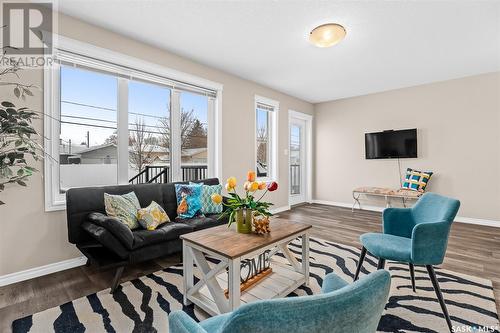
389, 44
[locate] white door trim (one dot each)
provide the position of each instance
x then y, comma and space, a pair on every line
308, 154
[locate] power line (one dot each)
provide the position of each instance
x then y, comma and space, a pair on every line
112, 110
130, 129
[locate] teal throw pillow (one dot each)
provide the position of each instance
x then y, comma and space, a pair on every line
207, 205
188, 200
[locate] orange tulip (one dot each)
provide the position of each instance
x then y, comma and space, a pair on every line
216, 198
247, 185
251, 176
262, 185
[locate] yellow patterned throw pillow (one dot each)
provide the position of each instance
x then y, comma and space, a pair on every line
152, 216
123, 207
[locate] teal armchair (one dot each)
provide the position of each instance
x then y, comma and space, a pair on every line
339, 308
417, 236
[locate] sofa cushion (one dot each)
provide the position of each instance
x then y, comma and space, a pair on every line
165, 232
203, 222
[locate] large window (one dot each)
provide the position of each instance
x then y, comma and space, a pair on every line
88, 104
149, 133
266, 138
194, 130
107, 124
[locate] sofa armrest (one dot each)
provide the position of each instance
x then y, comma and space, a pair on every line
104, 237
180, 322
115, 227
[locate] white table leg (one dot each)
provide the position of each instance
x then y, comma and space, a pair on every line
187, 264
291, 258
210, 280
305, 258
234, 283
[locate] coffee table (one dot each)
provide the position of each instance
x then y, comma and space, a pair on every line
231, 248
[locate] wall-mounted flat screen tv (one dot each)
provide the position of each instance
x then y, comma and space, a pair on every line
391, 144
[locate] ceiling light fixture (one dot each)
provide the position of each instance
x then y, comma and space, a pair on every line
327, 35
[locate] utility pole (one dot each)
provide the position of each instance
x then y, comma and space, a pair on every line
88, 139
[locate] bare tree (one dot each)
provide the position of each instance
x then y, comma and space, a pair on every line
141, 149
187, 121
113, 138
262, 145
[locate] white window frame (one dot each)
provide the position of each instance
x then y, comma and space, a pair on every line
273, 137
109, 61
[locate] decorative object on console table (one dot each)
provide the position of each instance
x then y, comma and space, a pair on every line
261, 225
244, 209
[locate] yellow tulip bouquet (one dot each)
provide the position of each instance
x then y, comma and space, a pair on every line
237, 203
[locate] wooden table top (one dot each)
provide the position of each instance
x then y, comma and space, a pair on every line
231, 244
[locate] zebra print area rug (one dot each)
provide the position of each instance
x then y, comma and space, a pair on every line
142, 305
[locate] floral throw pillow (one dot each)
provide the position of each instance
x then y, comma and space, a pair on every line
188, 200
123, 207
152, 216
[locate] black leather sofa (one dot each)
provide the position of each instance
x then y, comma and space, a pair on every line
106, 242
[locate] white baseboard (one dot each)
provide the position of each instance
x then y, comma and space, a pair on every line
460, 219
471, 220
280, 209
41, 270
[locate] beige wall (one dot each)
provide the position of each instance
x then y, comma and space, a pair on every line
458, 125
30, 237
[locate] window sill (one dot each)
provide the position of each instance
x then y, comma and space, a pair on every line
266, 179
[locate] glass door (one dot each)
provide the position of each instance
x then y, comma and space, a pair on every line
297, 161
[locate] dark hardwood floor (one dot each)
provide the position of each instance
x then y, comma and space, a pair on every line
472, 249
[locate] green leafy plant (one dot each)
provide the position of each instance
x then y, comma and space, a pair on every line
18, 137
